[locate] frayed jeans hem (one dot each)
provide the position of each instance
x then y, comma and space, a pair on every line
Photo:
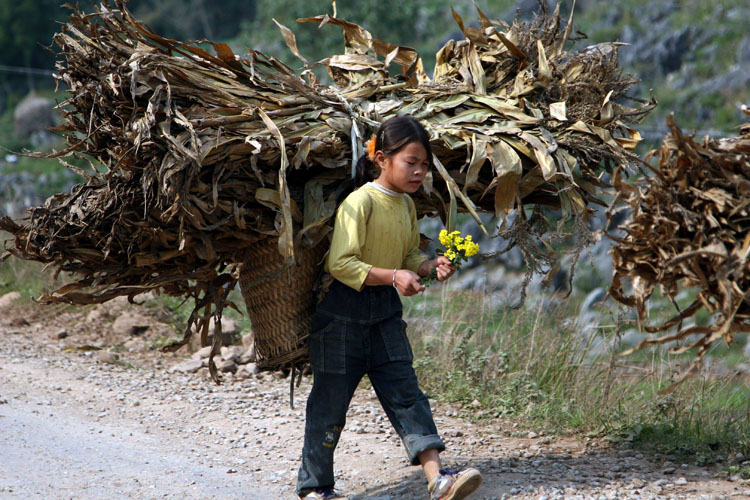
416, 444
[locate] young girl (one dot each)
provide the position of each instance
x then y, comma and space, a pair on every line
357, 328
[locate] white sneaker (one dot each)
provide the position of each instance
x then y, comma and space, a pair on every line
454, 485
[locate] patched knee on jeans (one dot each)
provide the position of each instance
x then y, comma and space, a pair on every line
332, 436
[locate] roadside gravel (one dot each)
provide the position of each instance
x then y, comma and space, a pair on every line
78, 424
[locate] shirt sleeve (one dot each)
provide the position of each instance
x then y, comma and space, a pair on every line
349, 231
414, 257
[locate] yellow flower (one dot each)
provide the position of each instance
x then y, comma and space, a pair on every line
444, 239
471, 249
457, 249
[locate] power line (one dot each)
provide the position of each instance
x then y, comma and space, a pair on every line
27, 71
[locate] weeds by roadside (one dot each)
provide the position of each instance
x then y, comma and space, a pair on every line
543, 367
22, 276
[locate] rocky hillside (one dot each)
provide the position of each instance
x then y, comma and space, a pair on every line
694, 56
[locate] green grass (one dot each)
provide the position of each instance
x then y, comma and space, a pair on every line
534, 366
173, 311
703, 419
24, 277
162, 341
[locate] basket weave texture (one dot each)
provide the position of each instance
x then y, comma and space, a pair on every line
280, 301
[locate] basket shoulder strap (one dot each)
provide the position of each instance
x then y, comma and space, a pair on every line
369, 212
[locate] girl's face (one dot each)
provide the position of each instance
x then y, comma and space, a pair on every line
404, 171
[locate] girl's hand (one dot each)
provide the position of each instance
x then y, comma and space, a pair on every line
407, 283
444, 268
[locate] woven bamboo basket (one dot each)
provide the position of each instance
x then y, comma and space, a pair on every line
280, 301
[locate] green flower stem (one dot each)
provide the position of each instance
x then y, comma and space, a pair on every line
429, 279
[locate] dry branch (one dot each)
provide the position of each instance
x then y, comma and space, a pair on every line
689, 228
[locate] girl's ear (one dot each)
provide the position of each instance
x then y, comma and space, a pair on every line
380, 158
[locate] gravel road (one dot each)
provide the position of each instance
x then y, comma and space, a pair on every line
76, 425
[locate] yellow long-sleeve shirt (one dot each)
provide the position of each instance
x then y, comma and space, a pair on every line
377, 230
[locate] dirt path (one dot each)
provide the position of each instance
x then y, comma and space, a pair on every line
73, 426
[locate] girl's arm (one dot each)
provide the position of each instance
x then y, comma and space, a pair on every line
406, 281
345, 255
444, 268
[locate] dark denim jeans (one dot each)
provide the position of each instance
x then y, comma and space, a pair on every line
353, 334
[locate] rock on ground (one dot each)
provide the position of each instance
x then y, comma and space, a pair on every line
7, 300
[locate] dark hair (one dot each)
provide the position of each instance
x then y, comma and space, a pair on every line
393, 135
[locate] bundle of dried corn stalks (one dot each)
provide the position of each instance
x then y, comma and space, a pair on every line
689, 229
202, 154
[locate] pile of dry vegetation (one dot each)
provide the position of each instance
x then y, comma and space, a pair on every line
689, 231
198, 156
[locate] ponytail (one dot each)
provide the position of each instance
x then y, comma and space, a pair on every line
365, 170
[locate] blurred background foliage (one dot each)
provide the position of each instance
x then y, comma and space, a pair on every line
694, 56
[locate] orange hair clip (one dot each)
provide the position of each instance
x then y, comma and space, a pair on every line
371, 148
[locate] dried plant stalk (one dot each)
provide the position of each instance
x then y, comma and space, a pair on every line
689, 228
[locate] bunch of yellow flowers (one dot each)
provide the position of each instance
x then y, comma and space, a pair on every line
457, 248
